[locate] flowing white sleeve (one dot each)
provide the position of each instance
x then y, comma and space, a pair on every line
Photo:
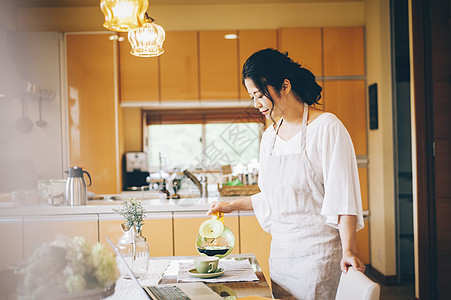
260, 205
341, 178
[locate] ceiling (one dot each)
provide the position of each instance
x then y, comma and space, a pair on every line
84, 3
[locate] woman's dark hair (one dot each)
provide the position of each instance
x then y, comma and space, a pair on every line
271, 67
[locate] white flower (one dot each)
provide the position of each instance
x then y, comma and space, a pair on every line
104, 263
75, 283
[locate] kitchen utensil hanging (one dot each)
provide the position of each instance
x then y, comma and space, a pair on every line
24, 124
40, 122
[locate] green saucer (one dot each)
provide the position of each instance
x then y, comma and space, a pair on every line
193, 272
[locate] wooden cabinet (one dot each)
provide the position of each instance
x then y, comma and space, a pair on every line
251, 41
179, 66
343, 51
38, 230
138, 76
254, 240
92, 108
363, 244
303, 46
363, 178
363, 236
346, 99
186, 228
218, 59
157, 230
12, 243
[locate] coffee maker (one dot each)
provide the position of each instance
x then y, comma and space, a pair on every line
135, 171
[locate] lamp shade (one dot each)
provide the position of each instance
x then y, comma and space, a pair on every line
123, 15
147, 41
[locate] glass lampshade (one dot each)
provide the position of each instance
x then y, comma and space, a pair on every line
123, 15
147, 41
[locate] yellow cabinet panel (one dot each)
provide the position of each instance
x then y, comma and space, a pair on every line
218, 59
179, 66
186, 228
303, 46
92, 108
254, 240
250, 42
343, 51
138, 77
363, 244
157, 230
11, 251
38, 230
346, 99
363, 178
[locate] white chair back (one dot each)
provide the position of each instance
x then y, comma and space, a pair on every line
354, 285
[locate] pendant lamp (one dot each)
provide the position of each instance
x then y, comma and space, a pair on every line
147, 41
123, 15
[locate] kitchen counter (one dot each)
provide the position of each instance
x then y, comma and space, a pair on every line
188, 204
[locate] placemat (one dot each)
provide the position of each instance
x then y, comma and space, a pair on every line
125, 288
235, 270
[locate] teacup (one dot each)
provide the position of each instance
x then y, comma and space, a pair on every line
206, 264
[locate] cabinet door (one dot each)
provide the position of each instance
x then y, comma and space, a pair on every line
92, 108
346, 99
186, 228
38, 230
343, 51
218, 59
303, 46
250, 42
179, 66
254, 240
11, 251
157, 230
138, 76
363, 244
362, 236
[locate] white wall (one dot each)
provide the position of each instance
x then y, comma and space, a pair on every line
380, 142
26, 157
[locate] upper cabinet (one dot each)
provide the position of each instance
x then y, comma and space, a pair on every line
251, 41
179, 66
346, 99
218, 58
303, 46
92, 108
343, 51
138, 76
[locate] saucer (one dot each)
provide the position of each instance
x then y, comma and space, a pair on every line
193, 272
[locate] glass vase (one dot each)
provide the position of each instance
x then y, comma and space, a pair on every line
135, 250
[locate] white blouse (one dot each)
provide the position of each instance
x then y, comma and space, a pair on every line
332, 156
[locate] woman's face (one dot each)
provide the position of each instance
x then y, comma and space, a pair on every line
261, 102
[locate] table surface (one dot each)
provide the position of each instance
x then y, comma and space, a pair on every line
240, 289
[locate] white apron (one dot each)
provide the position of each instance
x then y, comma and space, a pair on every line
305, 252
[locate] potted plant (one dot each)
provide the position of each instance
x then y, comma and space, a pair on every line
132, 245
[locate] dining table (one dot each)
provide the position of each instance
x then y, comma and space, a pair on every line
230, 290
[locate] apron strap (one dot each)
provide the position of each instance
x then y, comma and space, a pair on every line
303, 130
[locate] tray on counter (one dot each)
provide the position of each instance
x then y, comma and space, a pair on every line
238, 190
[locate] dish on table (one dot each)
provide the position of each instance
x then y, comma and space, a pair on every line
193, 272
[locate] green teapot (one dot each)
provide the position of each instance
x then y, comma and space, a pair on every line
214, 238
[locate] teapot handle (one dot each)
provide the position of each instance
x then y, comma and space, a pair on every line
90, 182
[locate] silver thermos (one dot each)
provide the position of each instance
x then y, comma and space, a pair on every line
76, 191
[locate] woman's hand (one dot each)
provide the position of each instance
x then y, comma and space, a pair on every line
221, 206
351, 260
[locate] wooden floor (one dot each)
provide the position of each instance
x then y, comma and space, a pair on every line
405, 291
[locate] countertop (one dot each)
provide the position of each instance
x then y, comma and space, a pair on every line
150, 204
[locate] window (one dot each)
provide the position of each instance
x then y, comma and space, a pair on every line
203, 141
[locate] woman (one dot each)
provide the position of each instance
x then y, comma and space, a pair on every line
310, 196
